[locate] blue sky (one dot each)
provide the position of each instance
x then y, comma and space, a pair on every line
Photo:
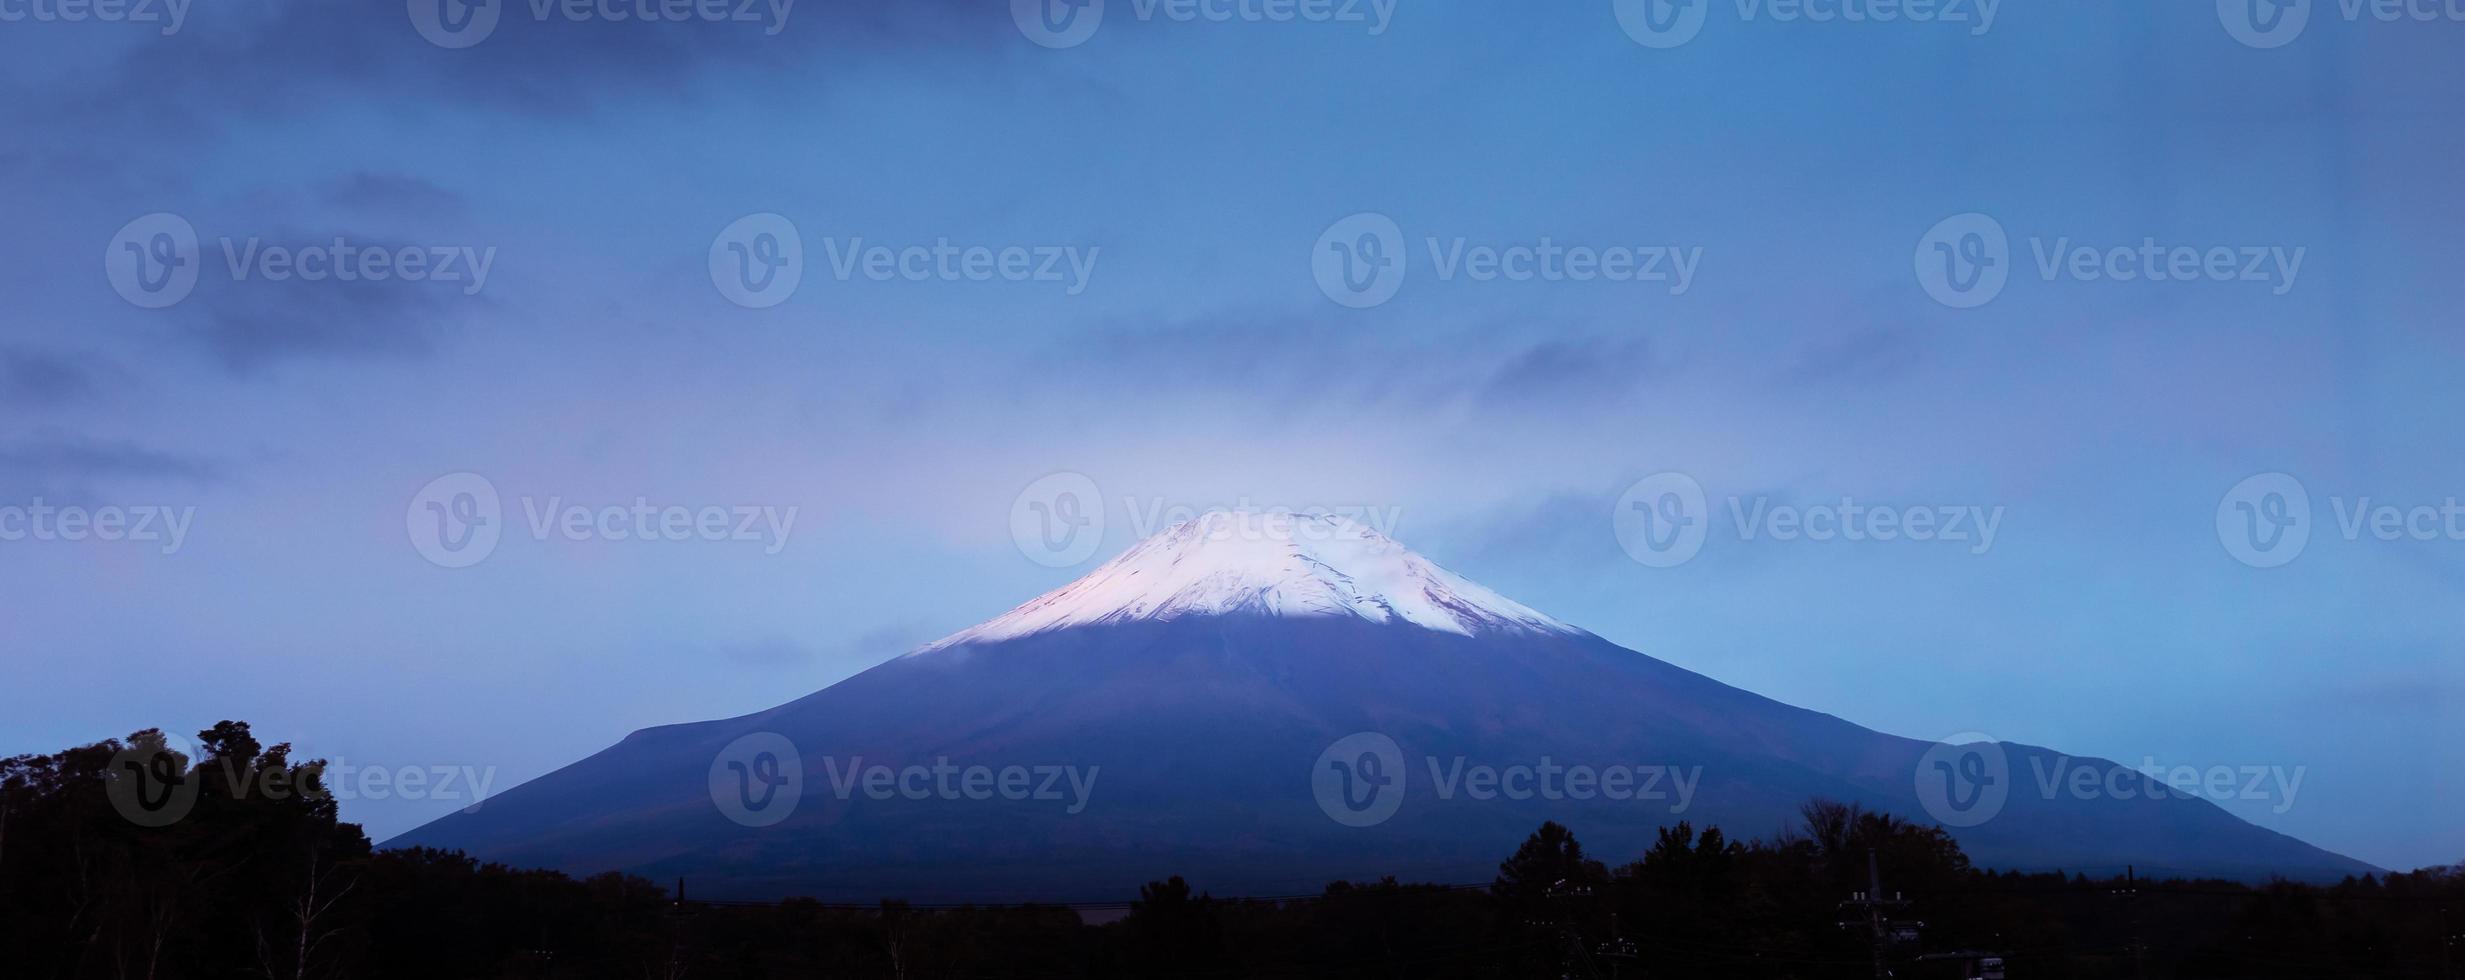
1201, 363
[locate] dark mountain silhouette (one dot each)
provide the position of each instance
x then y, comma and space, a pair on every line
1203, 677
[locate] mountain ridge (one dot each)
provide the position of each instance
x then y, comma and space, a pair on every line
1203, 728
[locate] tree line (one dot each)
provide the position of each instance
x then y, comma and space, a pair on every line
257, 877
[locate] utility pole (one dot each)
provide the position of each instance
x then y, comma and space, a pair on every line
2131, 896
1874, 908
1565, 899
676, 935
1620, 951
2447, 945
1873, 905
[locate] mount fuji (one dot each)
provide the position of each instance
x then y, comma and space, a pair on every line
1265, 703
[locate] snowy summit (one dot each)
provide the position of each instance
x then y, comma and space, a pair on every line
1272, 563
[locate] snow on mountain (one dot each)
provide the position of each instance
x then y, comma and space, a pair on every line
1272, 563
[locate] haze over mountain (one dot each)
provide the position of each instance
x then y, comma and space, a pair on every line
1265, 703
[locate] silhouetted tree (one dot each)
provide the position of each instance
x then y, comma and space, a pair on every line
1551, 861
1170, 933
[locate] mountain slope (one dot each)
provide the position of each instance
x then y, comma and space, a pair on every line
1197, 686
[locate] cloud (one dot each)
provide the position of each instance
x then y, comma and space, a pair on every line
1589, 371
1286, 359
32, 378
1865, 356
310, 53
69, 469
393, 193
252, 323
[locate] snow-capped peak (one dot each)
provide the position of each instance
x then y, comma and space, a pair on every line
1273, 563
